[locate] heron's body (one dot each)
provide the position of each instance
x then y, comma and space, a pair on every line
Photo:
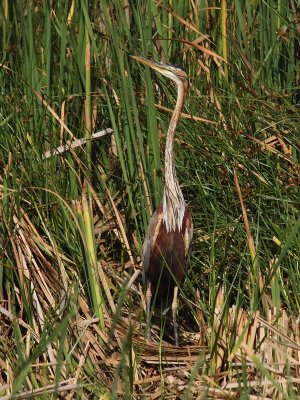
170, 230
165, 256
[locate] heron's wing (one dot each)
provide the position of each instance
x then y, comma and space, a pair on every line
187, 232
150, 239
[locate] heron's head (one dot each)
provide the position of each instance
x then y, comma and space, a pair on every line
176, 74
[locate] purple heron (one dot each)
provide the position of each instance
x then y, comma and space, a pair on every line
170, 231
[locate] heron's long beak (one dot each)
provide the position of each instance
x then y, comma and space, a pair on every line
151, 64
175, 74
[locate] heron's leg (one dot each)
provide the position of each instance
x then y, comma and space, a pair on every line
148, 304
174, 314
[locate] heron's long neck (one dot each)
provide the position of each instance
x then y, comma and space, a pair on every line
173, 201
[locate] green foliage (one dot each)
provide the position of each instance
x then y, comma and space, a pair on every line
72, 225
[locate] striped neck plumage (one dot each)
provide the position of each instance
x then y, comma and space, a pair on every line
173, 201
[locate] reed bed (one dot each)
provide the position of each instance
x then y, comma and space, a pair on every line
81, 144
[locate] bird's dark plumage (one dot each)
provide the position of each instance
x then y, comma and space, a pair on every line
165, 257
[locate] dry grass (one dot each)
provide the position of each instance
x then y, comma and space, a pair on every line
264, 358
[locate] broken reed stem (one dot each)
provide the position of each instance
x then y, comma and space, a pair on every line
250, 240
255, 273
